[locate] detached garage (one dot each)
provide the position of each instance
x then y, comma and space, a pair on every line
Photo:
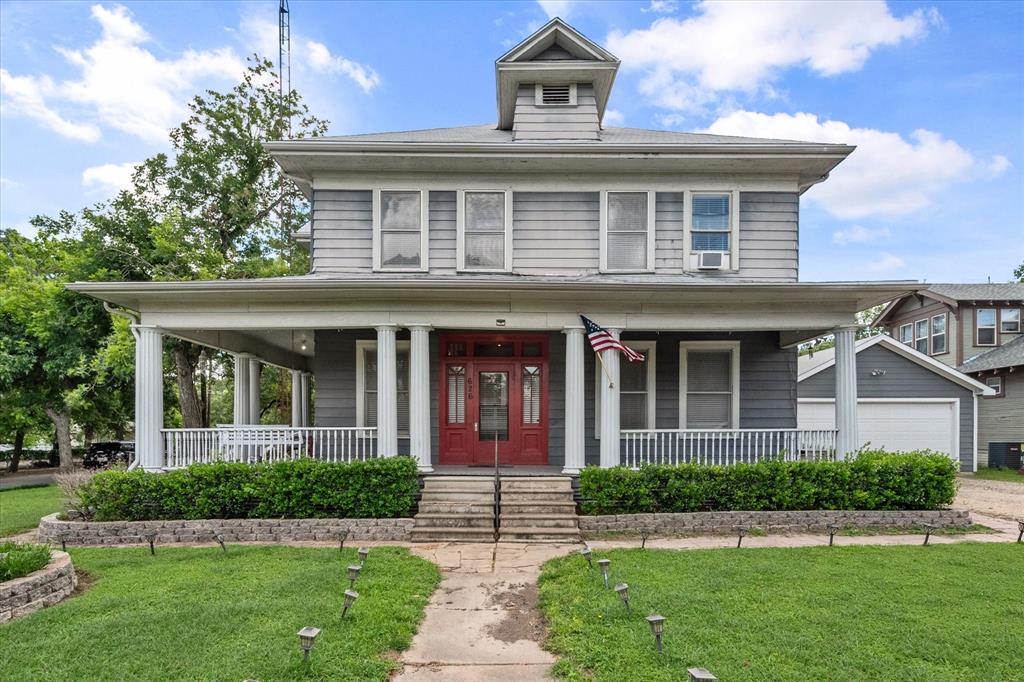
906, 400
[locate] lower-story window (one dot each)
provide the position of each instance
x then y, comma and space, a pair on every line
709, 378
636, 389
366, 385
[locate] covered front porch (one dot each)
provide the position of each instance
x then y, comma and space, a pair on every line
470, 376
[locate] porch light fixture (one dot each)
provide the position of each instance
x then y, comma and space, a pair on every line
657, 624
742, 533
605, 565
307, 638
353, 573
350, 599
700, 675
220, 541
342, 536
832, 530
362, 552
151, 539
644, 534
928, 528
587, 555
1020, 527
623, 590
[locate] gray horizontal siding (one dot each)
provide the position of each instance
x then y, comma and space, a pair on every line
532, 122
342, 231
668, 232
443, 232
556, 232
902, 379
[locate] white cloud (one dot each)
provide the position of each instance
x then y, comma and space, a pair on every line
662, 6
998, 165
885, 261
858, 234
557, 8
26, 96
742, 46
110, 178
886, 175
614, 117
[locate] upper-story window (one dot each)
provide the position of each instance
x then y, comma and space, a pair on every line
712, 231
484, 221
907, 334
627, 231
921, 336
985, 326
399, 230
555, 94
938, 334
1009, 320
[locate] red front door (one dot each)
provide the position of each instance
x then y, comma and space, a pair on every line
493, 399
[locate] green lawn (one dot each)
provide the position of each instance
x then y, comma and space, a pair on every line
999, 475
909, 613
21, 508
200, 614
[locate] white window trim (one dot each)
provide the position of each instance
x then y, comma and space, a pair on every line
650, 230
994, 328
900, 332
731, 346
927, 338
944, 334
1000, 315
648, 347
460, 227
999, 391
424, 230
538, 95
363, 345
734, 227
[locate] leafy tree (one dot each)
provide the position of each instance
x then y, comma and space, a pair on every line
864, 319
1019, 273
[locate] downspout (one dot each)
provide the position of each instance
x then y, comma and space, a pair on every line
135, 319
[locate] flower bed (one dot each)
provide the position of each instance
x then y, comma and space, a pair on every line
39, 589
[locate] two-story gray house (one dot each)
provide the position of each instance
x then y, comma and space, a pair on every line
450, 267
976, 328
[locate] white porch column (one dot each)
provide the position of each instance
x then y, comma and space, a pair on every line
254, 390
297, 397
387, 391
419, 395
610, 406
241, 405
305, 420
574, 386
847, 440
149, 398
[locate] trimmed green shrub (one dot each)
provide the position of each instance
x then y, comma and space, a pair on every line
873, 480
18, 559
307, 488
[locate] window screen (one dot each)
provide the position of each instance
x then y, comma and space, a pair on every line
709, 389
711, 224
400, 229
484, 234
627, 231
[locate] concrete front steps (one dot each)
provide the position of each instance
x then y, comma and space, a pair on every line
455, 508
537, 509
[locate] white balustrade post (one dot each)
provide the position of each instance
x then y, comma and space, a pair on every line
847, 440
387, 391
255, 366
575, 458
297, 398
610, 406
240, 416
149, 398
419, 395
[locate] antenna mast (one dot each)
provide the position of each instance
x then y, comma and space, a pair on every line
284, 54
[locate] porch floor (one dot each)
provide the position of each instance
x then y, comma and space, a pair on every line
485, 470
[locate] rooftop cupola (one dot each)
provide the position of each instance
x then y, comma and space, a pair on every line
554, 85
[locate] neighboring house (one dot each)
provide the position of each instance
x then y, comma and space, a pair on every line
978, 329
449, 268
906, 400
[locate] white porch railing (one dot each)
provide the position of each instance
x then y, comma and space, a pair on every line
252, 444
724, 446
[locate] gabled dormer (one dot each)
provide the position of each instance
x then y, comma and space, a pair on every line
554, 85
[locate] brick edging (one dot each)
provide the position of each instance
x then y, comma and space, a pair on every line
234, 530
39, 589
772, 521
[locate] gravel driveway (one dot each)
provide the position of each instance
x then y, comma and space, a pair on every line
997, 498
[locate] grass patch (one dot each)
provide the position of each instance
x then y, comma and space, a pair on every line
998, 474
21, 508
916, 530
17, 559
944, 612
201, 614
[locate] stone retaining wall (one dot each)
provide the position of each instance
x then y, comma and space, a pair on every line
698, 523
233, 530
37, 590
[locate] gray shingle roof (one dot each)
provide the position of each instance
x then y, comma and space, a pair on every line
481, 134
1008, 355
979, 292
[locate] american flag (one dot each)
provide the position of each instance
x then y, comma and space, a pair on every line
601, 339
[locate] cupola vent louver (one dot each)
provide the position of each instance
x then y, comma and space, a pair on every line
556, 94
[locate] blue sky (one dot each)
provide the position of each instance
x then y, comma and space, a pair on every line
932, 94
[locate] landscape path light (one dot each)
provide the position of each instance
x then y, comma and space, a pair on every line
742, 533
363, 552
832, 530
353, 573
700, 675
605, 565
928, 528
1020, 527
644, 534
151, 539
220, 541
350, 599
587, 555
63, 537
623, 590
657, 624
342, 536
307, 638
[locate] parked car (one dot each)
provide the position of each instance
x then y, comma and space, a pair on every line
107, 453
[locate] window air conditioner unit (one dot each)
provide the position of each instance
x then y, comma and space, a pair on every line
710, 260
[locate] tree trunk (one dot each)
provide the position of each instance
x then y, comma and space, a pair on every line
185, 357
19, 446
62, 423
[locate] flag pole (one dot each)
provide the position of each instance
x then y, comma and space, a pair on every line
611, 384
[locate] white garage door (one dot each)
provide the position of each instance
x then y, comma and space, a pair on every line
894, 425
